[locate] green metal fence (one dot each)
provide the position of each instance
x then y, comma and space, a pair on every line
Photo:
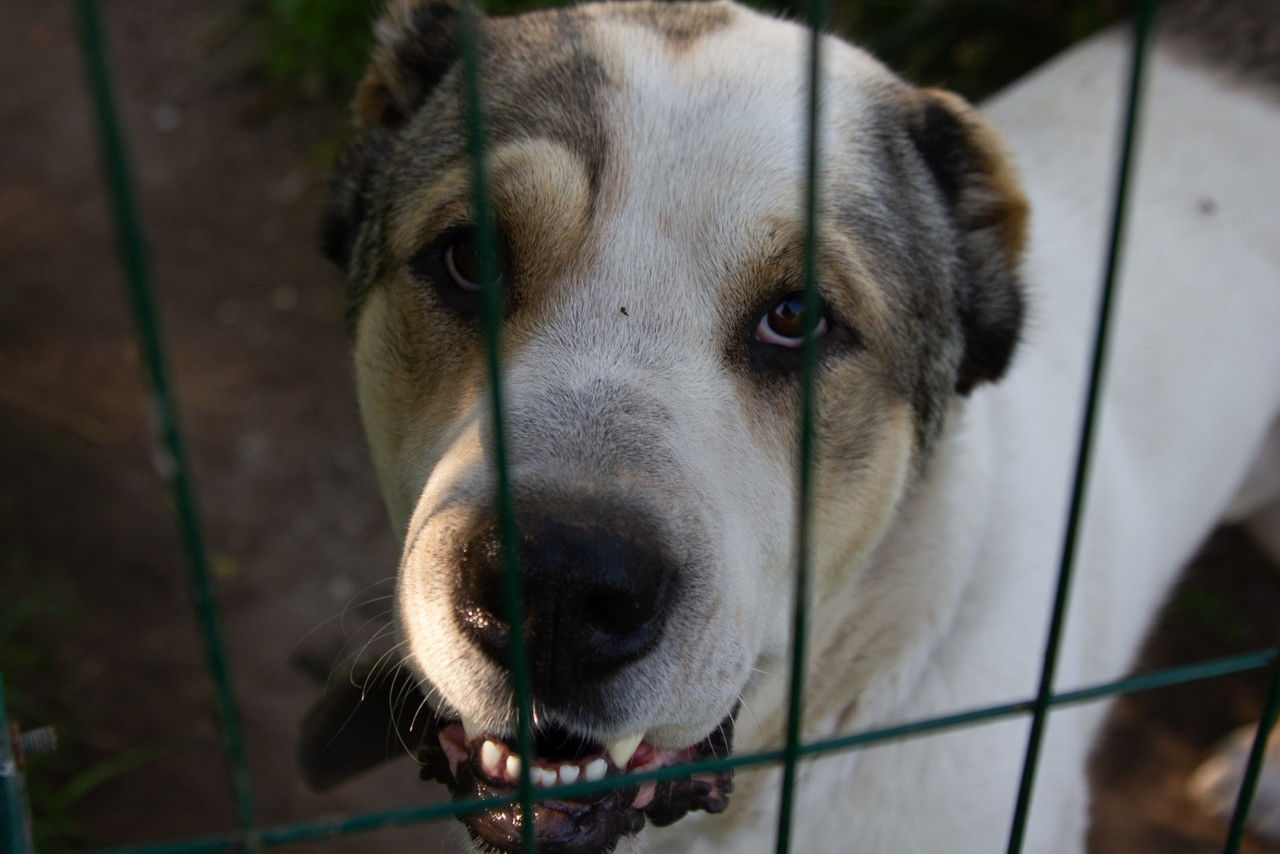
251, 836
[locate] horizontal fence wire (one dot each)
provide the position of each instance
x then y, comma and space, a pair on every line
175, 468
331, 827
1084, 452
250, 836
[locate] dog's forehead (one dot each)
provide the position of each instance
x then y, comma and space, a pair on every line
690, 122
706, 114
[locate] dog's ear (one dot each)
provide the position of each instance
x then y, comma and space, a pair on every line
977, 179
359, 723
417, 43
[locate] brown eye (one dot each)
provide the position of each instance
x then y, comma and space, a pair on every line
462, 263
449, 268
783, 325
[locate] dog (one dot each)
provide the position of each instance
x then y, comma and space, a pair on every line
647, 167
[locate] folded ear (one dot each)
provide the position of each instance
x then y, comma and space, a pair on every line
979, 184
417, 43
358, 724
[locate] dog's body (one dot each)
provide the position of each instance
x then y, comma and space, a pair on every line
648, 172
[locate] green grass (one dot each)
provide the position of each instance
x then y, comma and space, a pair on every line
317, 47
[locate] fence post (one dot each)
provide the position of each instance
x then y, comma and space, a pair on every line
174, 468
15, 816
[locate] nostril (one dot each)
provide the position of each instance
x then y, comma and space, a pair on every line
480, 602
619, 613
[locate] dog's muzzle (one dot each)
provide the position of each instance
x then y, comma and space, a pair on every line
598, 590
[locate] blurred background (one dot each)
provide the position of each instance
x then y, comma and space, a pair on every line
233, 112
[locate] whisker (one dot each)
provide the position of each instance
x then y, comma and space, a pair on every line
339, 617
391, 703
373, 671
342, 615
747, 709
413, 722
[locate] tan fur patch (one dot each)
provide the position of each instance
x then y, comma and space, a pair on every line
542, 196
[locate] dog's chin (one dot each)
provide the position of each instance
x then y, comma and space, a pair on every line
484, 767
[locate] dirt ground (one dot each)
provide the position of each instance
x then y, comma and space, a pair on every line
95, 624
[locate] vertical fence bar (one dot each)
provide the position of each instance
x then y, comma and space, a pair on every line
133, 255
804, 491
491, 320
1253, 770
1142, 29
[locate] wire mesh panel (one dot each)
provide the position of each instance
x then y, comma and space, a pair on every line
251, 836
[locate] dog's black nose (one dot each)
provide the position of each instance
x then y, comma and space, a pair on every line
595, 595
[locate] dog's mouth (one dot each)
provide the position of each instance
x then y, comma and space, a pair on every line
485, 766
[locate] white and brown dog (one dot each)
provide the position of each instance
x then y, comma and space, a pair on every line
647, 167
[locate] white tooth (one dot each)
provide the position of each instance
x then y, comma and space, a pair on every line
544, 778
595, 770
513, 767
490, 757
621, 750
471, 728
569, 774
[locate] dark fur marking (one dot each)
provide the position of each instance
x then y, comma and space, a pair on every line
679, 23
428, 51
348, 204
989, 218
941, 140
540, 82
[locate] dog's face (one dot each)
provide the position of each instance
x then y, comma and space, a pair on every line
647, 169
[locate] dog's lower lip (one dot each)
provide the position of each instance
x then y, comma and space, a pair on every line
593, 823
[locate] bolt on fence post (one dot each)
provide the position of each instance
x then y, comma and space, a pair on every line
1075, 514
133, 257
15, 817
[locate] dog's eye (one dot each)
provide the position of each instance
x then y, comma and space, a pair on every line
462, 262
783, 325
450, 266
